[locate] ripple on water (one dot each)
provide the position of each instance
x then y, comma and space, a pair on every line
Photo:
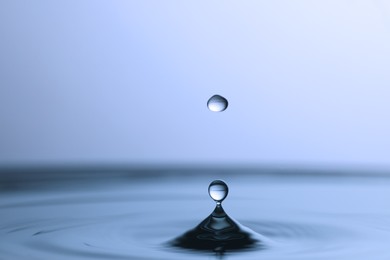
119, 222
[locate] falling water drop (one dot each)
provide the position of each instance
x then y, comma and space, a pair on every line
217, 103
218, 190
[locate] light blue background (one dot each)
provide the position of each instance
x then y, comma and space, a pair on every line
127, 82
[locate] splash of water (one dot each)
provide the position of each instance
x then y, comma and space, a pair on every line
218, 232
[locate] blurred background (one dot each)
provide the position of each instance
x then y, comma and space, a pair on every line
126, 83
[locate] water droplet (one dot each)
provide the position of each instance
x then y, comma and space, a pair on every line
218, 232
218, 190
217, 103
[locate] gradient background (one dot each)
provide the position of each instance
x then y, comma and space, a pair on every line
126, 82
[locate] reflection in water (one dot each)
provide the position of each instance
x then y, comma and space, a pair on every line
218, 232
124, 216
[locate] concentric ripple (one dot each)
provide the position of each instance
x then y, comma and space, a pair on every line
126, 220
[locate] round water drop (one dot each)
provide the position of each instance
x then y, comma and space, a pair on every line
217, 103
218, 190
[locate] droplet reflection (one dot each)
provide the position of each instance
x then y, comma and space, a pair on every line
218, 190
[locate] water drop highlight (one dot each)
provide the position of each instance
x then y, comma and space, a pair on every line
217, 103
218, 190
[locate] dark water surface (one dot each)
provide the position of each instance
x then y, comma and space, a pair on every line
134, 214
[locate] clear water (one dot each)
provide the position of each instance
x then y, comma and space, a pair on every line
218, 190
217, 103
218, 232
134, 214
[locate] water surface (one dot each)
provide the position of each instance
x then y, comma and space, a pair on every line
134, 214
